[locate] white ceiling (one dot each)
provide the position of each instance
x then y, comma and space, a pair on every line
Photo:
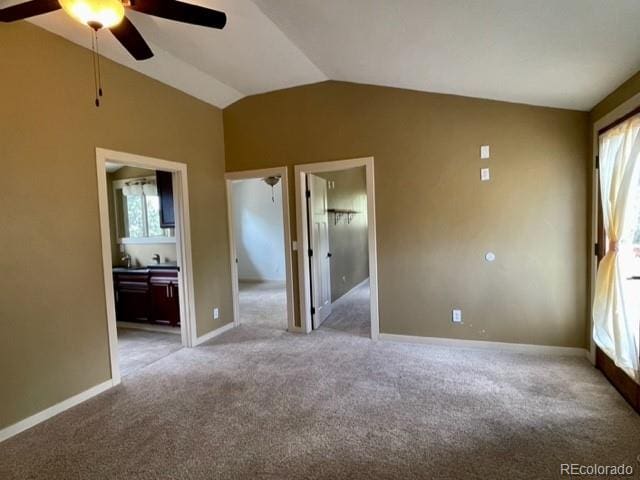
561, 53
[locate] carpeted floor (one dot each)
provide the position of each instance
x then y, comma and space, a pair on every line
350, 313
138, 349
263, 304
260, 403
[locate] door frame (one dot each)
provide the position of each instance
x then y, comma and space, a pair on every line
183, 245
230, 178
614, 115
303, 236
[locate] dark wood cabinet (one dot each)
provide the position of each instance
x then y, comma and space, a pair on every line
164, 181
165, 307
132, 297
147, 295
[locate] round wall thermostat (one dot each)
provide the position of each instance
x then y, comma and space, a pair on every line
490, 256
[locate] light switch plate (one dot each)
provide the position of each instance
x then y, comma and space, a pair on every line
485, 175
485, 152
456, 316
216, 313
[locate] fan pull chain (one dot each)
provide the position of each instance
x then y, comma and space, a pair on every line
93, 59
98, 61
95, 56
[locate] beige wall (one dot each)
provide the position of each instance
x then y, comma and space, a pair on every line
141, 255
435, 219
348, 241
620, 95
52, 305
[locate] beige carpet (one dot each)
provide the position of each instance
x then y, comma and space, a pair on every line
263, 304
258, 403
138, 349
351, 313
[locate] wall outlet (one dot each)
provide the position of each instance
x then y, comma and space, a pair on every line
485, 152
216, 313
456, 316
485, 175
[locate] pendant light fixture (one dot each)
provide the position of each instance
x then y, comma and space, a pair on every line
95, 14
272, 182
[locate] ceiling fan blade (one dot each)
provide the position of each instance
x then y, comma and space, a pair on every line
130, 38
181, 12
28, 9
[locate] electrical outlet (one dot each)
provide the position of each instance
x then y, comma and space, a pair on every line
456, 316
485, 152
216, 313
485, 175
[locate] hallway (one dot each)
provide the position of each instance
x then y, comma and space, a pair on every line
351, 313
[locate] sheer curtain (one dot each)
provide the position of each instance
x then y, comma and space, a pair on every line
616, 312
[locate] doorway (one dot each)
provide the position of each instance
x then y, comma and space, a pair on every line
337, 259
616, 304
260, 244
146, 249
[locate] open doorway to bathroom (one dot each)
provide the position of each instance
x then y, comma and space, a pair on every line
147, 278
260, 248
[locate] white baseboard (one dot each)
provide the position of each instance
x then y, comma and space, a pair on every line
214, 333
54, 410
350, 291
503, 346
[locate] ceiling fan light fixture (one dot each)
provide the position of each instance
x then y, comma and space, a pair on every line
95, 13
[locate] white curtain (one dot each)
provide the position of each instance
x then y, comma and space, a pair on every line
150, 189
616, 312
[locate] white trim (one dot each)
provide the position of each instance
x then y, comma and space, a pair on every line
303, 236
54, 410
183, 244
214, 333
231, 177
350, 291
484, 345
612, 116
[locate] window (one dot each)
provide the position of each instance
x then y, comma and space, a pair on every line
137, 207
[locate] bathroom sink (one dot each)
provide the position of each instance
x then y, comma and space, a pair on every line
166, 265
132, 269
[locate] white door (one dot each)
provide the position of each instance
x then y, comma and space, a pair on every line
320, 256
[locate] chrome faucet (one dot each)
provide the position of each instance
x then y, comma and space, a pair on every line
156, 258
127, 258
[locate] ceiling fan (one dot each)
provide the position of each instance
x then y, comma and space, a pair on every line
110, 14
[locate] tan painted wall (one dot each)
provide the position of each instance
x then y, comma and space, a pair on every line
435, 219
141, 255
52, 306
620, 95
348, 241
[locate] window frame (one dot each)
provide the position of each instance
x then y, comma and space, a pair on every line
117, 185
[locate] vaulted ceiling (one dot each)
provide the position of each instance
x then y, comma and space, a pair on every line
560, 53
